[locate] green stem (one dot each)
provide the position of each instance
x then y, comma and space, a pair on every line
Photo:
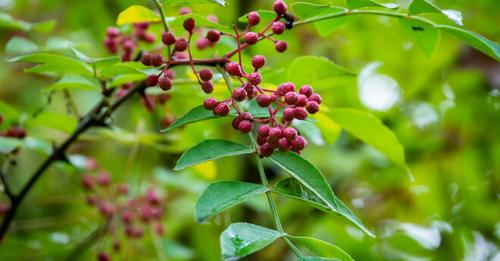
163, 20
263, 177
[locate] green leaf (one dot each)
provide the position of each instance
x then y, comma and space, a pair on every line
424, 6
371, 130
426, 36
322, 248
329, 128
242, 239
210, 150
7, 145
325, 27
315, 258
370, 3
75, 82
315, 70
54, 64
19, 45
195, 2
194, 115
126, 78
137, 14
8, 22
290, 187
45, 26
475, 40
55, 120
8, 112
222, 195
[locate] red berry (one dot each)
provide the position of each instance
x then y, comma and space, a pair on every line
107, 209
301, 100
285, 88
265, 150
255, 78
298, 144
290, 133
239, 94
253, 18
185, 11
152, 80
129, 46
300, 113
169, 73
234, 68
142, 26
261, 139
207, 87
258, 61
281, 46
103, 257
150, 38
127, 217
236, 123
87, 182
245, 126
112, 32
189, 25
206, 74
222, 109
280, 7
291, 98
245, 116
288, 114
264, 100
146, 59
213, 18
181, 45
16, 132
307, 90
1, 119
123, 189
104, 179
152, 196
165, 83
202, 43
278, 27
156, 60
210, 103
213, 36
251, 38
283, 144
168, 38
312, 107
263, 130
275, 134
316, 97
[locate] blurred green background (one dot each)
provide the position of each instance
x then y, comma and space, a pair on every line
445, 110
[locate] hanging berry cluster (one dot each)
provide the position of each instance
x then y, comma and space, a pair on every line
285, 104
112, 201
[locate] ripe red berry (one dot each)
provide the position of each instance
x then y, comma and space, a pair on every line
265, 150
165, 83
104, 179
236, 123
152, 80
239, 94
112, 32
169, 73
281, 46
283, 144
312, 107
206, 74
263, 130
261, 139
168, 38
213, 36
316, 97
152, 196
202, 43
181, 45
107, 209
285, 88
222, 109
255, 78
156, 60
142, 26
127, 217
189, 25
298, 144
185, 11
103, 257
146, 59
245, 116
123, 189
278, 27
280, 7
87, 182
300, 113
210, 103
307, 90
258, 61
301, 100
16, 132
234, 68
207, 87
275, 134
149, 38
264, 100
245, 126
129, 46
253, 18
288, 114
251, 38
1, 119
290, 133
291, 98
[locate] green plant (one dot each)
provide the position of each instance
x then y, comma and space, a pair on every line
306, 182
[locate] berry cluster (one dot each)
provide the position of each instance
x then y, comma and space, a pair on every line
117, 41
113, 203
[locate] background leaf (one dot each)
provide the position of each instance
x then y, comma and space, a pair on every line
242, 239
54, 64
137, 14
20, 45
314, 70
194, 115
322, 248
210, 150
222, 195
370, 3
195, 2
424, 6
426, 36
306, 10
